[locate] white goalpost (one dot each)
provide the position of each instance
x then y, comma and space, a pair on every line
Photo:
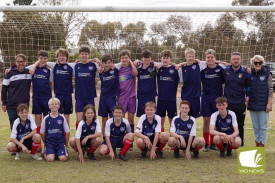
28, 29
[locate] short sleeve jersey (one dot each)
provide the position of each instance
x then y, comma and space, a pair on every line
19, 130
183, 128
224, 125
109, 83
112, 130
85, 80
127, 82
146, 82
84, 129
168, 80
149, 129
41, 82
54, 129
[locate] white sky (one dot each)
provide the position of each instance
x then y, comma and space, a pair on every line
146, 2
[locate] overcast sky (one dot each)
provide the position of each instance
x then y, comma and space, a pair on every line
146, 2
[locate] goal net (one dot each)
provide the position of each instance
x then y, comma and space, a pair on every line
27, 32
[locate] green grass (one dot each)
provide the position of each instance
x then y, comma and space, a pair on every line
209, 168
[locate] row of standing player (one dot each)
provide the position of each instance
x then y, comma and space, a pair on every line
55, 133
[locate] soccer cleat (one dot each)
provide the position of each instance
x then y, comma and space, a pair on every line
35, 157
195, 154
17, 156
143, 154
123, 157
91, 156
222, 154
206, 148
177, 154
159, 154
229, 152
213, 147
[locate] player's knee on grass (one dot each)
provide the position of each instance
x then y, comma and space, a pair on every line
129, 136
199, 142
36, 138
62, 158
72, 142
50, 157
103, 150
217, 139
140, 143
11, 147
163, 137
172, 141
237, 142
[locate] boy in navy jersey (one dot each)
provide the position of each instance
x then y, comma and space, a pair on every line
42, 83
109, 89
52, 132
224, 127
146, 87
117, 135
191, 78
212, 80
23, 135
149, 133
183, 133
88, 134
168, 80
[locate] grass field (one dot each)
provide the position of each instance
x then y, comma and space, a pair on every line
209, 168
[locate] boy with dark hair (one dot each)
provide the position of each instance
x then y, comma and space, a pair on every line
168, 79
127, 86
183, 133
109, 89
117, 134
23, 135
146, 87
55, 133
224, 127
149, 133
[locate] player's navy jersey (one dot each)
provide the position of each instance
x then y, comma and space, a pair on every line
191, 79
224, 125
41, 82
109, 83
19, 130
112, 130
183, 128
84, 129
212, 80
146, 82
85, 80
149, 129
16, 88
237, 85
63, 74
168, 80
54, 129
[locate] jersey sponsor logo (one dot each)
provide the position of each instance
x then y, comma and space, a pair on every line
165, 78
228, 120
59, 122
39, 76
90, 68
217, 70
182, 132
45, 70
83, 74
108, 78
171, 71
240, 75
92, 127
51, 131
145, 77
211, 76
193, 67
122, 128
262, 78
189, 126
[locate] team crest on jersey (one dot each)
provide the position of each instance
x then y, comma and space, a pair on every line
27, 126
217, 70
92, 127
150, 69
240, 75
65, 67
112, 72
228, 120
189, 126
194, 67
122, 128
59, 122
90, 68
45, 70
171, 71
262, 78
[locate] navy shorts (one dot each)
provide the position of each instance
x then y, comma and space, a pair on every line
88, 143
66, 103
169, 106
106, 106
116, 142
152, 138
186, 142
208, 106
27, 143
58, 149
80, 103
141, 105
40, 106
195, 106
